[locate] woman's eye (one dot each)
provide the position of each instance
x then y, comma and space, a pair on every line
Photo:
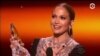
63, 18
53, 16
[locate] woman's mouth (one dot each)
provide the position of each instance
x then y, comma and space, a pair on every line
57, 27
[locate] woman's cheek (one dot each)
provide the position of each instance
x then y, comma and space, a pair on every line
52, 22
65, 25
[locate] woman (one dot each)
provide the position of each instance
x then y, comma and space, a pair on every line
62, 42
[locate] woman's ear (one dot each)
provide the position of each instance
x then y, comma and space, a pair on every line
72, 22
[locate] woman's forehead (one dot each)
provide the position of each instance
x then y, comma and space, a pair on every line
60, 10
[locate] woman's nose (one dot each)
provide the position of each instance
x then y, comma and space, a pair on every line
57, 21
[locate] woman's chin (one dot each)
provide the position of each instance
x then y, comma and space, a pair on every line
57, 32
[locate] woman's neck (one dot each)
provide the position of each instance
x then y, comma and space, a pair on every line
61, 38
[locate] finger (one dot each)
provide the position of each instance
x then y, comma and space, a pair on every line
20, 42
12, 46
12, 38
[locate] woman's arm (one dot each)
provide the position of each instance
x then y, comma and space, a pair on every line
18, 49
17, 46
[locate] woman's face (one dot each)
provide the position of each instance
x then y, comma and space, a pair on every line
60, 21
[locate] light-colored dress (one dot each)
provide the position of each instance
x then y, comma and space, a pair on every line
64, 47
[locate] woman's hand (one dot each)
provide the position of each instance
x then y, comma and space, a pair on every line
17, 47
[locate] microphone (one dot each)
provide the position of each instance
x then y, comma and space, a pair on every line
49, 51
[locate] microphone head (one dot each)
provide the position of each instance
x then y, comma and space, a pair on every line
49, 51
